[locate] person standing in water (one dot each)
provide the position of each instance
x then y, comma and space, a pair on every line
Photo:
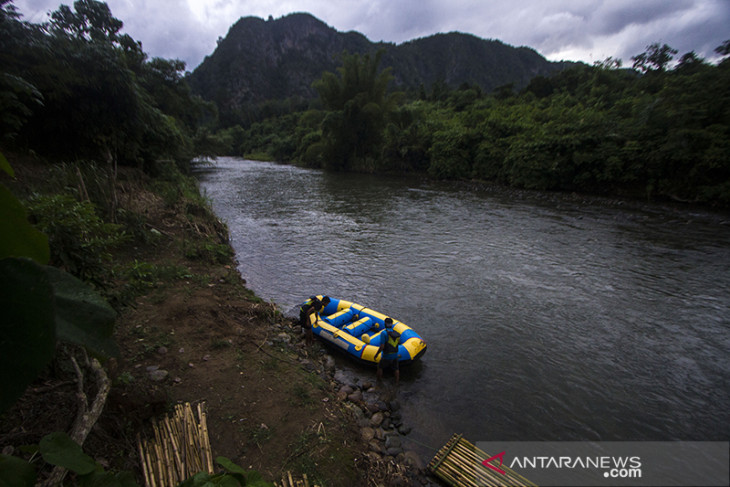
389, 350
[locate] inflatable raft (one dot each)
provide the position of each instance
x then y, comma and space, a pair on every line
359, 331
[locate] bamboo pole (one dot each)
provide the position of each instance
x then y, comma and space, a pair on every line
180, 472
179, 447
205, 439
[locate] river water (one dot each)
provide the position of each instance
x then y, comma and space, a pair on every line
547, 317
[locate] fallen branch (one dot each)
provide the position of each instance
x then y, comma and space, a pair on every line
86, 417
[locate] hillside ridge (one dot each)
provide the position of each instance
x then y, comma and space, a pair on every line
277, 59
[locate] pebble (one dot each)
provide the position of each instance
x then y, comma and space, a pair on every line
376, 419
158, 375
392, 441
412, 458
367, 433
329, 363
380, 422
375, 446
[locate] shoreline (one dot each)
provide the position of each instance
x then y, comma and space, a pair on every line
189, 330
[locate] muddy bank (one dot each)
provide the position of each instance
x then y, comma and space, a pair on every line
189, 330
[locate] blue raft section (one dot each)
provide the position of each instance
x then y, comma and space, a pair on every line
359, 331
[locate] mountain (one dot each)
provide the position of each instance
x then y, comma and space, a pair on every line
261, 60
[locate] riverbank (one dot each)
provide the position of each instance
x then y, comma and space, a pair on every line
190, 331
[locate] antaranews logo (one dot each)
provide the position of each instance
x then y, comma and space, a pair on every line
612, 467
598, 464
487, 463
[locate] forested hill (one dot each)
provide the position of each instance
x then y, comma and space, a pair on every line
262, 60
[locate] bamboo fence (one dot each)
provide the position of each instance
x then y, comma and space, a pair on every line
459, 463
180, 447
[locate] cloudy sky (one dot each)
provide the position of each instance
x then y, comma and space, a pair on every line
576, 30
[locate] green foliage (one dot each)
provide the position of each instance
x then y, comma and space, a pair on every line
94, 94
655, 58
209, 251
40, 304
28, 339
234, 476
20, 238
15, 472
80, 240
81, 315
357, 105
60, 450
595, 129
17, 100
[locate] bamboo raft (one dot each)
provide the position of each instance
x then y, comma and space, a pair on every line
180, 448
459, 463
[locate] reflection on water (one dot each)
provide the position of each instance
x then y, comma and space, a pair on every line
547, 317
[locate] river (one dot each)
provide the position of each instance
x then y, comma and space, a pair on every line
547, 316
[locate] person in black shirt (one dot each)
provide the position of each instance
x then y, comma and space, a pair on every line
311, 306
389, 350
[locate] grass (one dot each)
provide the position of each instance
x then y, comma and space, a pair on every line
300, 396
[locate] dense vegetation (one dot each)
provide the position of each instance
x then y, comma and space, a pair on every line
88, 101
649, 131
76, 88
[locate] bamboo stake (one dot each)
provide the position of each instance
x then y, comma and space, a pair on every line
149, 482
462, 473
175, 436
456, 476
190, 437
471, 470
206, 439
173, 444
160, 471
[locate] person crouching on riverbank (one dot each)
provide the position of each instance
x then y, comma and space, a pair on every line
312, 306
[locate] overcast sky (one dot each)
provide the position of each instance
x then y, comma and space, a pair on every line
575, 30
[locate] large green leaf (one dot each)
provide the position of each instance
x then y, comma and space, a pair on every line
18, 238
15, 472
59, 449
27, 327
82, 316
100, 478
5, 166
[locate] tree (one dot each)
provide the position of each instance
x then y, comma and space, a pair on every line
655, 58
609, 63
724, 48
90, 20
358, 105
